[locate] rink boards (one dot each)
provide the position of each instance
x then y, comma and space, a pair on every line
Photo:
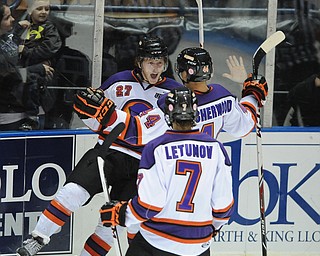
34, 166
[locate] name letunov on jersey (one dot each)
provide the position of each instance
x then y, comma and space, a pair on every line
192, 150
214, 111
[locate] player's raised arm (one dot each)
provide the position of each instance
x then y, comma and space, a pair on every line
243, 117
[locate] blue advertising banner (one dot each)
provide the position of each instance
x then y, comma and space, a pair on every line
32, 171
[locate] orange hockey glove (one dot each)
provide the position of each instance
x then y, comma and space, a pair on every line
258, 88
113, 213
91, 103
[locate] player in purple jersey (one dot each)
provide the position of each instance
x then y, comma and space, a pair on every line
184, 187
132, 91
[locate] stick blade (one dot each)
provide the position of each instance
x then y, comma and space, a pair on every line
270, 43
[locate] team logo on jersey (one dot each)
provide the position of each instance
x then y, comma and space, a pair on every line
137, 106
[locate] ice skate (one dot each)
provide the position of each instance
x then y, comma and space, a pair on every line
32, 245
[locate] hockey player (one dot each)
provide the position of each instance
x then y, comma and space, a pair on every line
218, 108
132, 91
184, 187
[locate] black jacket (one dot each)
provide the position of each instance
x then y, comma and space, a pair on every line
305, 99
42, 43
14, 93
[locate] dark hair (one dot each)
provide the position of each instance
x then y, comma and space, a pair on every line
1, 10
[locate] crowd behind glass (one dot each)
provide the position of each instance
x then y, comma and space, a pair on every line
66, 67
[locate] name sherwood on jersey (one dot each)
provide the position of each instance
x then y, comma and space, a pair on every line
191, 150
213, 111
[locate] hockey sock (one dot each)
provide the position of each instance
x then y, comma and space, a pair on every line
95, 246
99, 243
69, 198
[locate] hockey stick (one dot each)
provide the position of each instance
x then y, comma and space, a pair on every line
200, 16
104, 148
271, 42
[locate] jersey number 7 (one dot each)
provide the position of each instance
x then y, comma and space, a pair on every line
194, 169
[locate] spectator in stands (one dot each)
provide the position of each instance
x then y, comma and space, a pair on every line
17, 86
40, 45
304, 99
42, 40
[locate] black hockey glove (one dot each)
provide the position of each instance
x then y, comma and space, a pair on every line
91, 103
258, 88
113, 213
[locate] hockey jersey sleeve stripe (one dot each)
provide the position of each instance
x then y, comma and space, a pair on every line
135, 214
143, 211
149, 206
224, 213
131, 137
251, 108
180, 233
127, 139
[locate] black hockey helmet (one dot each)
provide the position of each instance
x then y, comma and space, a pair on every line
181, 105
196, 62
152, 47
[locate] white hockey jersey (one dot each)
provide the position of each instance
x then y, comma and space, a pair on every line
131, 95
218, 110
184, 187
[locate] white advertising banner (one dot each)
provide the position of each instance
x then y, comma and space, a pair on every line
291, 159
292, 197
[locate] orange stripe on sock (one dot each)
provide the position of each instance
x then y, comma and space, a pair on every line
90, 250
53, 218
100, 242
61, 208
